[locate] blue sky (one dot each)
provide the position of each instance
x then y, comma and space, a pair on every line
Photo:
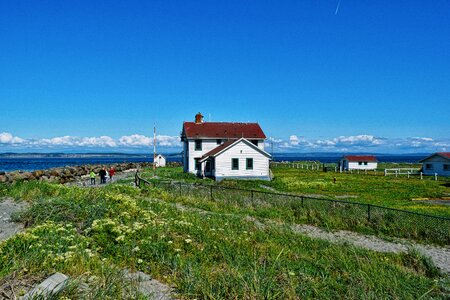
96, 75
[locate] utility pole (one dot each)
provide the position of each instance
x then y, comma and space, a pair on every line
154, 150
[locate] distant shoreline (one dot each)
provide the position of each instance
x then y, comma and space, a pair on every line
74, 155
150, 155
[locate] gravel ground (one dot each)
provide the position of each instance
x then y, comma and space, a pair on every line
436, 201
439, 255
7, 207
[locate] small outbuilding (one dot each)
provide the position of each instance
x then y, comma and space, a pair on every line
437, 163
358, 162
160, 161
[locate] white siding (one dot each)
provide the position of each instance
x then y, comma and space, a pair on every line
207, 145
242, 151
354, 165
437, 164
261, 144
160, 161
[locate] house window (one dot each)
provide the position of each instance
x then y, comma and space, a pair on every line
219, 141
197, 164
198, 145
446, 167
255, 142
360, 163
235, 164
429, 166
249, 164
365, 163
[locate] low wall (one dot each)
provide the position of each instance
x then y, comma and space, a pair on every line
66, 174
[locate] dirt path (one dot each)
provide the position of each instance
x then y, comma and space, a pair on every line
86, 181
7, 207
439, 255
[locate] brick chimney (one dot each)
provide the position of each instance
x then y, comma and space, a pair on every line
198, 118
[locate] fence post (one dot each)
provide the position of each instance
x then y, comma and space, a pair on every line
408, 174
421, 175
211, 192
435, 176
252, 199
368, 212
180, 189
301, 197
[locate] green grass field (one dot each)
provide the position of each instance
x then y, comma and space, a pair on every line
91, 234
379, 190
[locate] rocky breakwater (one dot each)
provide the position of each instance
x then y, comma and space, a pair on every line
65, 174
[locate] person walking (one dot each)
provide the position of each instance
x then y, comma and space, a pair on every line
92, 176
112, 172
102, 174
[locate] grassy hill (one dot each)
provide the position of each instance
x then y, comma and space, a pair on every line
203, 250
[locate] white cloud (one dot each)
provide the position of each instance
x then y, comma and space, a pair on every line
168, 141
137, 140
363, 140
102, 141
8, 138
293, 139
294, 143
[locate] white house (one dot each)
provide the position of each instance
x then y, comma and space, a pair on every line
358, 162
160, 161
224, 150
436, 163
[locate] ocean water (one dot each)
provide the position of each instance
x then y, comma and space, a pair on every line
334, 159
41, 163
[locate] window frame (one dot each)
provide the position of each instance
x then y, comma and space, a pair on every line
218, 141
232, 164
446, 167
246, 163
198, 145
429, 167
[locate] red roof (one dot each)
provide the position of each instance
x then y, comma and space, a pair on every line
445, 154
361, 158
223, 130
218, 148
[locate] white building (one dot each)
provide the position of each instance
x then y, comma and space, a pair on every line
358, 162
437, 163
160, 161
224, 150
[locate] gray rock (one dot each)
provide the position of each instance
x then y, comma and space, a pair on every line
49, 286
150, 287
